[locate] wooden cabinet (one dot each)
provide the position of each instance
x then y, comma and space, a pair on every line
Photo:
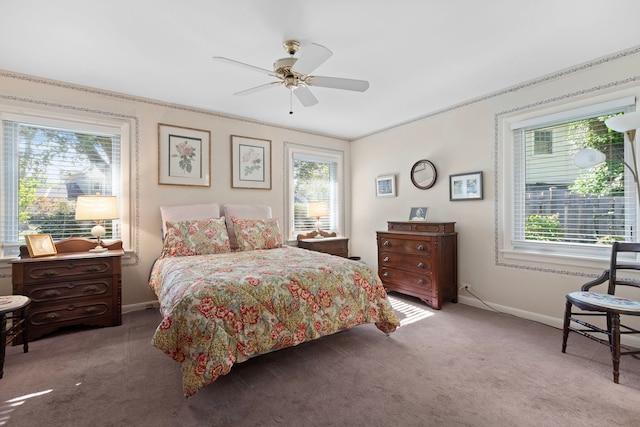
420, 259
74, 287
330, 245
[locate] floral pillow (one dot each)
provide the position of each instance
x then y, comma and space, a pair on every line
195, 237
254, 234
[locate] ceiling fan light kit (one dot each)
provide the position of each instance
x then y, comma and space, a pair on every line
294, 73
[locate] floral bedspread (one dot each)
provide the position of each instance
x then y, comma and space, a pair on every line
225, 308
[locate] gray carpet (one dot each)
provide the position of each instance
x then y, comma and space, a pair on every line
460, 366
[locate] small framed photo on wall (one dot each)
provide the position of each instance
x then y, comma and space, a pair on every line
386, 186
465, 186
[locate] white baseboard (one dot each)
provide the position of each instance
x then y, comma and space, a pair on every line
139, 306
633, 341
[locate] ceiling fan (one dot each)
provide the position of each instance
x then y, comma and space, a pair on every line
294, 73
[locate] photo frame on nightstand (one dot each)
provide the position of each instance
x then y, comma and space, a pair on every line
40, 245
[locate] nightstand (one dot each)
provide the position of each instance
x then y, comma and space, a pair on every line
338, 246
73, 287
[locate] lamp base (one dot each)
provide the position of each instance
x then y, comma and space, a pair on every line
98, 249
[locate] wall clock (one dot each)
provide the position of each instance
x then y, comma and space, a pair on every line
423, 174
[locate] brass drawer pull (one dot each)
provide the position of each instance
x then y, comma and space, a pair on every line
51, 293
71, 308
91, 289
386, 274
49, 273
386, 243
51, 316
421, 282
385, 259
92, 269
421, 264
421, 248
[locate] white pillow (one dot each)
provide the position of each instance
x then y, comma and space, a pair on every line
243, 212
188, 212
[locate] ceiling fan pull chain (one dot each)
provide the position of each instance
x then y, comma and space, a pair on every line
290, 101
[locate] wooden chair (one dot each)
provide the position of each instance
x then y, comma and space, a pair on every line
607, 305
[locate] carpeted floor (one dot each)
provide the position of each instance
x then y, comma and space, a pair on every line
460, 366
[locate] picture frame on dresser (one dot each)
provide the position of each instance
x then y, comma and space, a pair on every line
250, 162
386, 186
466, 186
40, 245
418, 214
184, 156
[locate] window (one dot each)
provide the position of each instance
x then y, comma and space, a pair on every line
559, 207
315, 175
46, 165
542, 142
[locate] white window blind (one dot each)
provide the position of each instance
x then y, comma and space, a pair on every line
46, 165
557, 203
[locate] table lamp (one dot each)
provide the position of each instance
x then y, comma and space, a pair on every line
97, 208
317, 209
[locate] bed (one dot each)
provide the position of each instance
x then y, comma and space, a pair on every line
222, 305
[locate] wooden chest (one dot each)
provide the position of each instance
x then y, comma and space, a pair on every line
71, 288
420, 259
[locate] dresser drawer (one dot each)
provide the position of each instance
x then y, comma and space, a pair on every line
421, 283
74, 313
407, 246
417, 263
101, 287
61, 270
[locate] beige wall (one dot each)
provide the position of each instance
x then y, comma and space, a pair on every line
26, 94
462, 140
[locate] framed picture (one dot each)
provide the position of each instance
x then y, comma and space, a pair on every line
386, 186
418, 214
250, 163
184, 156
465, 186
40, 245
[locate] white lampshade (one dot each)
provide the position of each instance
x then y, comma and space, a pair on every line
588, 158
317, 209
97, 208
625, 122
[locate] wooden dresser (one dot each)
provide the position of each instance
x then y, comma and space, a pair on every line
420, 259
321, 241
73, 287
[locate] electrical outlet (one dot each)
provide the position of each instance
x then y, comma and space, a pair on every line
464, 287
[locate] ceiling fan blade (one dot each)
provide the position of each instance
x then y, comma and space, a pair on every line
257, 88
311, 58
243, 65
339, 83
305, 96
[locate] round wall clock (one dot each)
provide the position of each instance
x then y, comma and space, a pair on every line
423, 174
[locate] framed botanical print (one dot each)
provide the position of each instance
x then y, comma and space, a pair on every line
250, 163
184, 156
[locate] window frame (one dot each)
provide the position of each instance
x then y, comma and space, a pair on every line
121, 126
293, 149
531, 254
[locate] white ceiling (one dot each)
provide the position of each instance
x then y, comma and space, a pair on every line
419, 56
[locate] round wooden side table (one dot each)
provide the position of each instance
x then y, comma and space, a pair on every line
14, 308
